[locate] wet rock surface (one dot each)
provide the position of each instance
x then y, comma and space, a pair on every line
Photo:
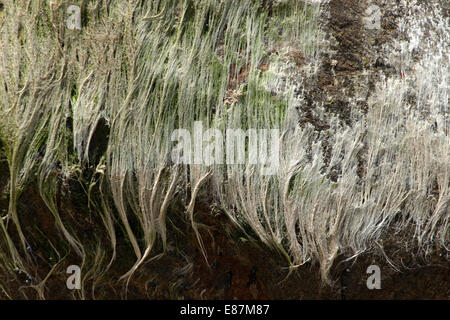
239, 267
